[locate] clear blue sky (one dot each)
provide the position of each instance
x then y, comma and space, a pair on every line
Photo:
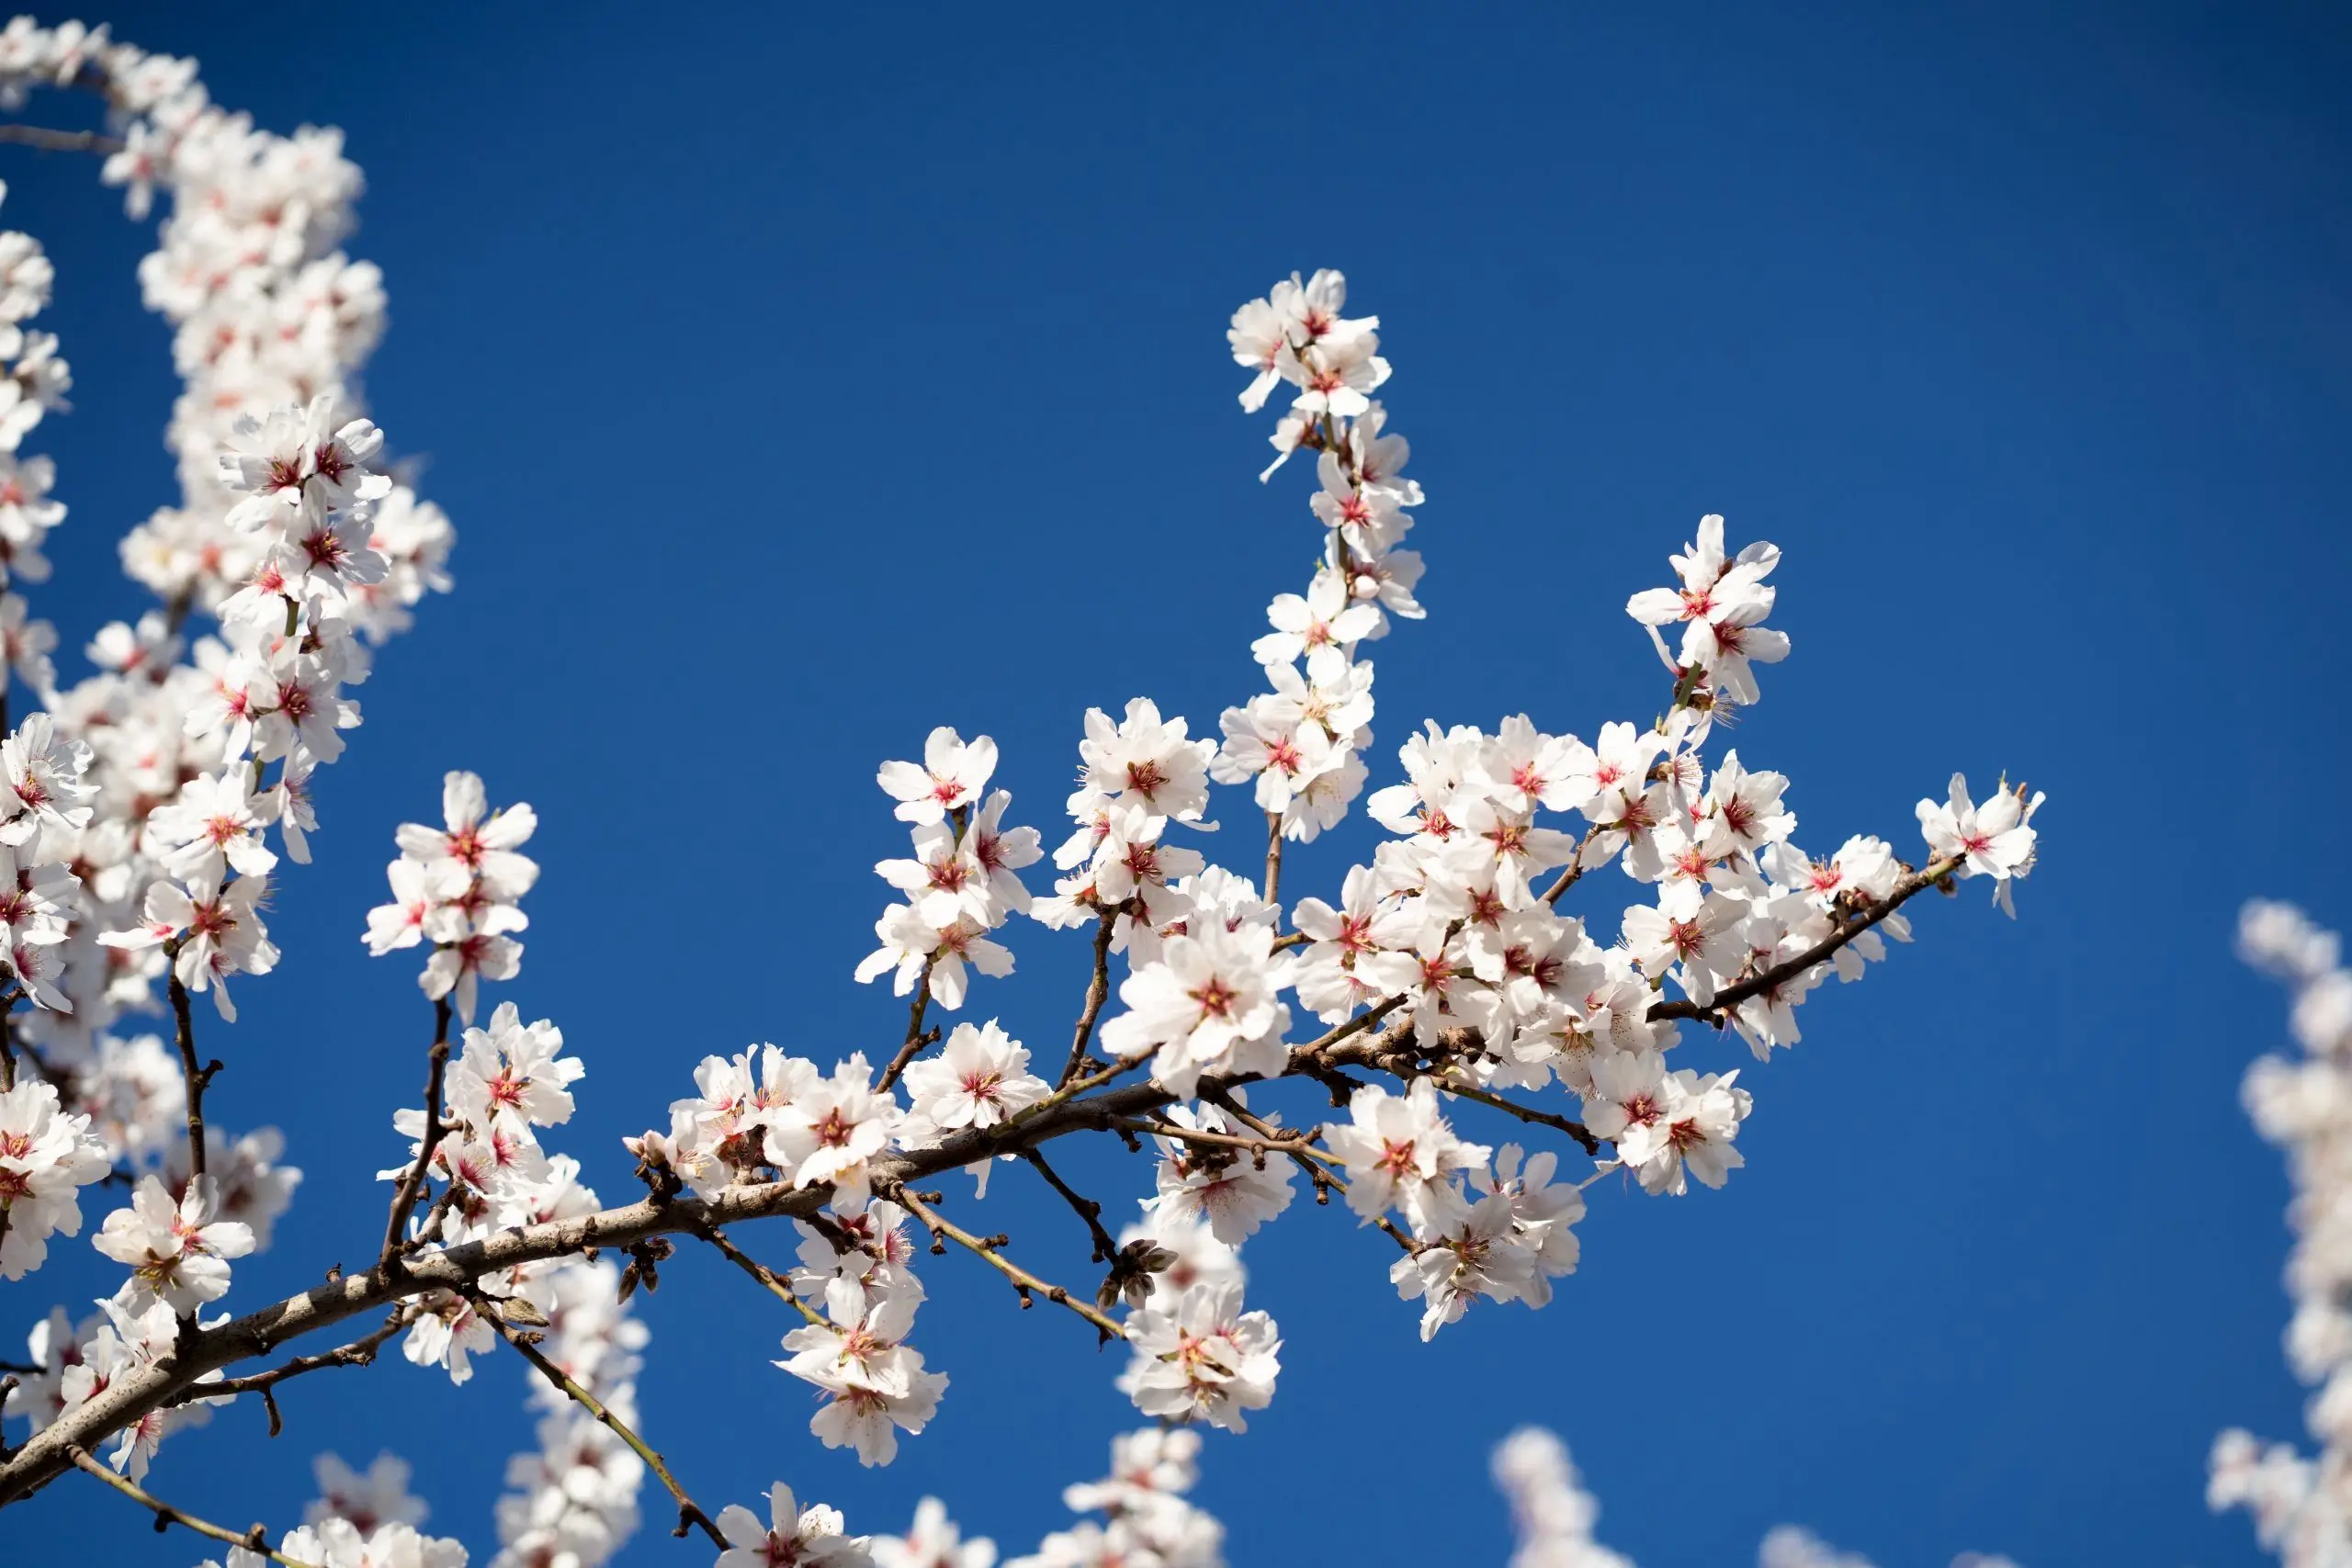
799, 382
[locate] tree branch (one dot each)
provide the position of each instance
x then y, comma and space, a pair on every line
690, 1513
360, 1352
1274, 861
1576, 1130
1575, 869
253, 1540
1098, 991
436, 1066
1731, 997
916, 1038
49, 140
47, 1453
198, 1079
766, 1276
1025, 1283
1087, 1209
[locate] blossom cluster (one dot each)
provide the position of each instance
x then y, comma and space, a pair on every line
75, 1362
1551, 1512
174, 779
1444, 973
1554, 1515
573, 1498
768, 1116
360, 1519
460, 887
1147, 1518
962, 880
507, 1082
1298, 745
2303, 1507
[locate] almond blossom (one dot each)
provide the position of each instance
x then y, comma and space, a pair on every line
1457, 971
177, 1252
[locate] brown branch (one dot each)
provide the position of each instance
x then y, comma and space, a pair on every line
1732, 996
254, 1540
1576, 1130
1025, 1284
775, 1282
1576, 867
1078, 1106
690, 1513
360, 1352
1098, 991
1320, 1167
1274, 860
1087, 1209
49, 140
916, 1038
198, 1079
436, 1066
1291, 1145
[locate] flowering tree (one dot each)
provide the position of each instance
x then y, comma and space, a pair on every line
1357, 1045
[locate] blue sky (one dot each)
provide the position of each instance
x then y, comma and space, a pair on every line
798, 381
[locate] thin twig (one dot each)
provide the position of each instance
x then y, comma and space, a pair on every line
1025, 1283
1528, 1113
762, 1273
1196, 1136
1069, 1092
360, 1352
1730, 997
49, 140
1098, 991
916, 1038
1576, 867
1274, 861
689, 1512
1087, 1208
1320, 1167
198, 1079
254, 1540
436, 1066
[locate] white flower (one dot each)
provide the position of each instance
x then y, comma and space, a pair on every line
1202, 1358
950, 777
1208, 1005
1988, 841
1721, 605
831, 1129
45, 775
482, 842
46, 1157
1476, 1253
1227, 1188
219, 932
1401, 1152
794, 1538
447, 1334
981, 1078
300, 463
214, 827
911, 945
177, 1252
511, 1076
876, 1383
932, 1542
1139, 761
367, 1499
